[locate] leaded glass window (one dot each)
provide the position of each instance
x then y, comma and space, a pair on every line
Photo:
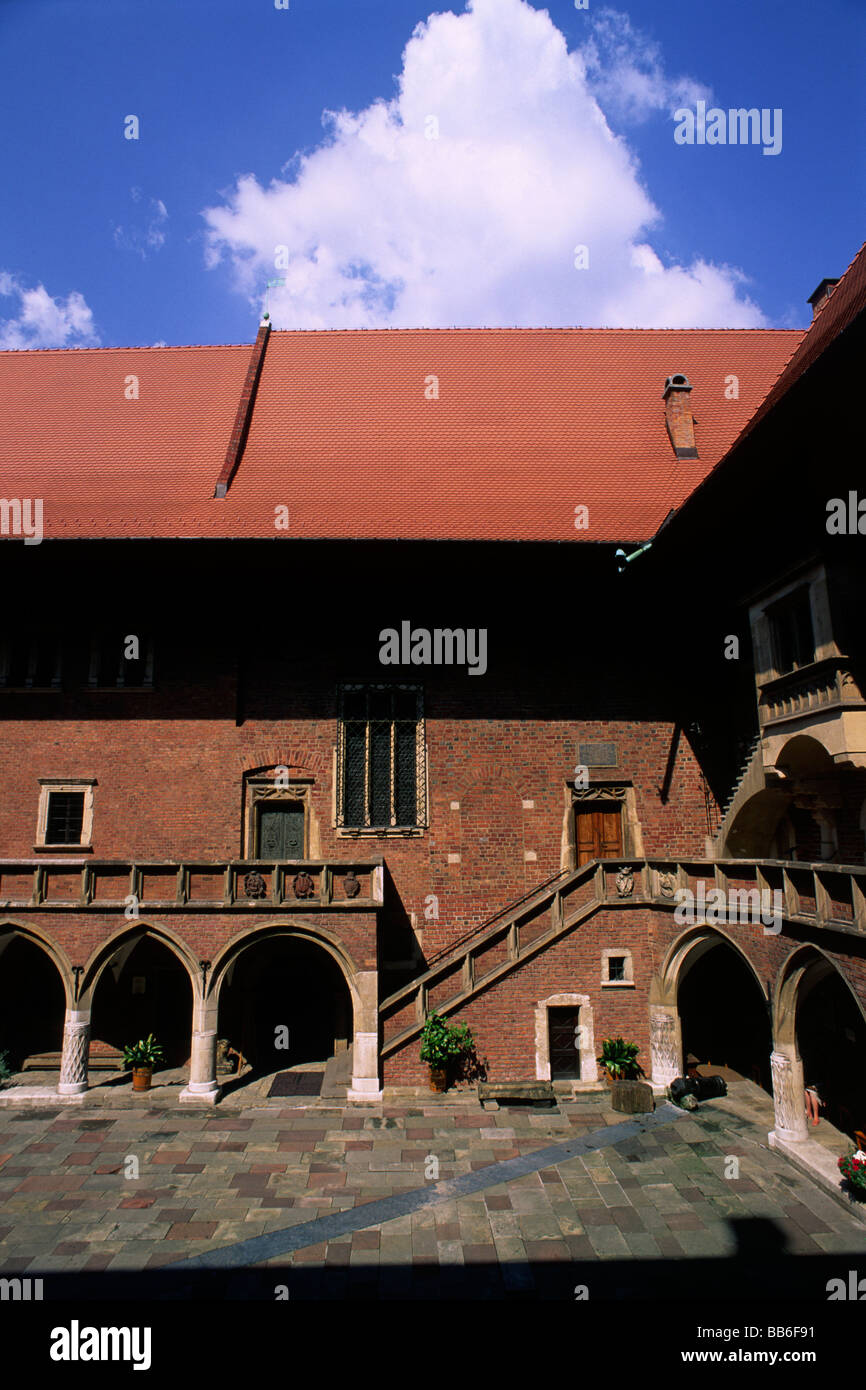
380, 754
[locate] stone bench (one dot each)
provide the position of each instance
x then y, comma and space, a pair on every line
496, 1093
104, 1059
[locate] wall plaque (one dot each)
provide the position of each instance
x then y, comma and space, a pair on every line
597, 754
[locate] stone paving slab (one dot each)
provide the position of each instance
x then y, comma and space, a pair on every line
507, 1209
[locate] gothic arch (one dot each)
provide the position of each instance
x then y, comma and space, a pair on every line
684, 952
292, 999
666, 1022
131, 935
268, 930
10, 929
804, 968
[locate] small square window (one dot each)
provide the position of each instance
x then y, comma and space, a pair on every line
65, 818
617, 968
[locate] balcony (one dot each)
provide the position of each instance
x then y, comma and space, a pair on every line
238, 885
826, 686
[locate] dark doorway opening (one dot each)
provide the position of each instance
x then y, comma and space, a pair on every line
285, 1002
143, 990
32, 1003
563, 1030
831, 1040
725, 1021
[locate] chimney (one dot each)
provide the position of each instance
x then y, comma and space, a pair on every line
678, 416
820, 296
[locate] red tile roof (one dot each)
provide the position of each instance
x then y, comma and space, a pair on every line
529, 424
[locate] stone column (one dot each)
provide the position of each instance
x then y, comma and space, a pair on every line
365, 1053
76, 1046
788, 1096
666, 1045
203, 1086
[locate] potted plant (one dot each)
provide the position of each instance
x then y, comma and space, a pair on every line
853, 1170
619, 1060
442, 1045
141, 1057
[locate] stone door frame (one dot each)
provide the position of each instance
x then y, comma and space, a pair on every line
588, 1064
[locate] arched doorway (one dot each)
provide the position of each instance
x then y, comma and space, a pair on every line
143, 989
284, 1001
723, 1014
32, 1004
831, 1041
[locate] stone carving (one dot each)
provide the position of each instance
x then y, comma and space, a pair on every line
625, 881
599, 791
255, 886
303, 885
351, 884
663, 1047
76, 1046
667, 885
787, 1098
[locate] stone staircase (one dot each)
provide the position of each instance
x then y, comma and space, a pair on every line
817, 897
749, 780
496, 948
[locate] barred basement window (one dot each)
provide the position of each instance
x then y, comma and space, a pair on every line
31, 662
381, 773
120, 661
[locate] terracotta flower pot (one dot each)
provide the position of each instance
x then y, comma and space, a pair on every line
438, 1079
141, 1078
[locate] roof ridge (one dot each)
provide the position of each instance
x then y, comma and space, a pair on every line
537, 328
465, 328
129, 347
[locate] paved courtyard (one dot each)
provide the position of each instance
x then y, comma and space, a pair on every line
428, 1199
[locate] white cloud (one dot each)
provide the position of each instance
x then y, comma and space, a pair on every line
42, 321
147, 237
625, 71
387, 227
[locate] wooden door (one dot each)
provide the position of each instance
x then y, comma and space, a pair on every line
564, 1038
281, 831
598, 831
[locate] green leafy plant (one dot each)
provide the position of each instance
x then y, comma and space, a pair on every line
145, 1053
443, 1043
854, 1170
619, 1059
5, 1069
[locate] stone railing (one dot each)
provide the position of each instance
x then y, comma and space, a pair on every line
819, 896
823, 685
248, 885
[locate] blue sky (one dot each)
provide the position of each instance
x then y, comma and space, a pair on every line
456, 185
